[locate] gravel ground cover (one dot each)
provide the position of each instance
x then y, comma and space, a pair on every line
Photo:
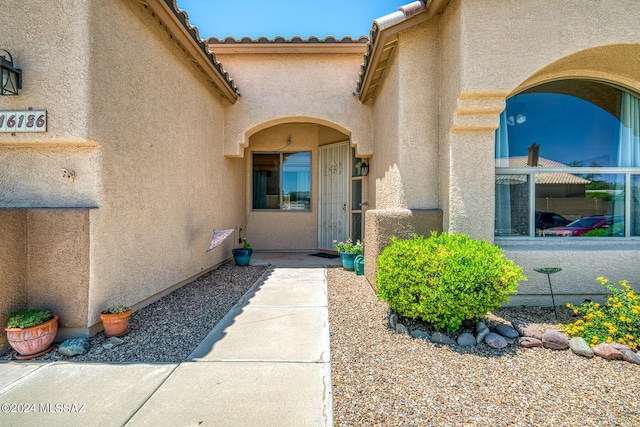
381, 378
171, 328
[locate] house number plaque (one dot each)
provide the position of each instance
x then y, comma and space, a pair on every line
23, 121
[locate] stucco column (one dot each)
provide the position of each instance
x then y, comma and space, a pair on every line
383, 224
470, 193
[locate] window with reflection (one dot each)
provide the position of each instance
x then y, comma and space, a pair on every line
568, 162
282, 181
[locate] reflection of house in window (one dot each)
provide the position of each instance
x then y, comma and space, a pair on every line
557, 184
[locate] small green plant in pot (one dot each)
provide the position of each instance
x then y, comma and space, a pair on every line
348, 251
31, 332
445, 279
115, 320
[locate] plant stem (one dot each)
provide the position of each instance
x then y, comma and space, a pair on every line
553, 301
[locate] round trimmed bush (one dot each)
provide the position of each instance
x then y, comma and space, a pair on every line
445, 279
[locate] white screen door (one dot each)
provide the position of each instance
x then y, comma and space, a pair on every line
333, 221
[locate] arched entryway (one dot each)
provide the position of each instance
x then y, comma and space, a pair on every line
304, 187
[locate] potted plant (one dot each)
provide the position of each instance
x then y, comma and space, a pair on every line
115, 320
348, 251
31, 332
242, 256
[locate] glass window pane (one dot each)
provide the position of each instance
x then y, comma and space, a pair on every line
356, 194
512, 205
296, 181
568, 125
635, 205
571, 123
356, 163
266, 181
592, 205
356, 226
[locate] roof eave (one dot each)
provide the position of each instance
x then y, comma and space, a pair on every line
166, 13
384, 41
280, 45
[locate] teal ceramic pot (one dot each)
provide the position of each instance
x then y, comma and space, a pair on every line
242, 256
358, 265
347, 260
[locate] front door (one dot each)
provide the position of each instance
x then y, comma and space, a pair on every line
333, 220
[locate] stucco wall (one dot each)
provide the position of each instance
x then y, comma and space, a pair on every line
142, 129
166, 184
581, 263
405, 124
53, 56
13, 265
485, 51
290, 87
387, 191
507, 45
492, 49
58, 264
287, 230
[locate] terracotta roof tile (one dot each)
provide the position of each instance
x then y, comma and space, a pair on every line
183, 17
379, 25
281, 44
281, 39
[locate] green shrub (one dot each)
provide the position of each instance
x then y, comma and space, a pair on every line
445, 279
28, 318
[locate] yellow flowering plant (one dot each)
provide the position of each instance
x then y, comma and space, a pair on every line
618, 320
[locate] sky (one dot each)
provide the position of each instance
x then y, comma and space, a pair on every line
288, 18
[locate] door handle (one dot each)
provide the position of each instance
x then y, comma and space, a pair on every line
344, 207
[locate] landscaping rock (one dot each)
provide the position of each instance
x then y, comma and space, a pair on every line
481, 326
112, 342
401, 329
393, 320
507, 331
494, 340
440, 338
466, 340
526, 330
74, 347
580, 347
528, 342
482, 334
619, 346
607, 352
420, 334
555, 340
630, 356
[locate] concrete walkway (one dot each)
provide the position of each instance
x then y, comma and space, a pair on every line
265, 364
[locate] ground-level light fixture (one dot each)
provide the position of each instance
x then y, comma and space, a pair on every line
10, 76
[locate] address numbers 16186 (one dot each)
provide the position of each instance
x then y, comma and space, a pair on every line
23, 121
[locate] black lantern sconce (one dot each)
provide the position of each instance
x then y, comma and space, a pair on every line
364, 169
10, 76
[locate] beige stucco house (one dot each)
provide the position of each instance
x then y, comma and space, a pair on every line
154, 138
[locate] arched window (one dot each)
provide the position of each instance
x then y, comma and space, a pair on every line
568, 162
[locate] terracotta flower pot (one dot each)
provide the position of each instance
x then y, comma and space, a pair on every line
115, 325
33, 340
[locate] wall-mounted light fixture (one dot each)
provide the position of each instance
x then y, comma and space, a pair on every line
364, 169
10, 76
